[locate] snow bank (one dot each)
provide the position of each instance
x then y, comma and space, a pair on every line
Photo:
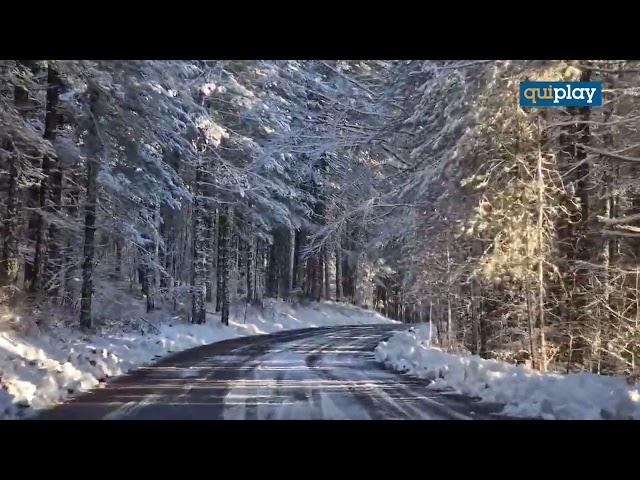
38, 370
525, 393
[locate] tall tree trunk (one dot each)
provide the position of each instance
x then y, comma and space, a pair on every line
539, 227
574, 240
155, 260
358, 281
449, 316
483, 325
310, 284
145, 274
474, 316
145, 280
70, 261
317, 274
386, 302
298, 260
327, 280
235, 267
250, 268
25, 106
219, 257
198, 253
210, 237
338, 254
164, 260
226, 223
291, 260
272, 272
258, 288
54, 262
430, 320
350, 267
40, 276
609, 251
118, 267
89, 220
9, 262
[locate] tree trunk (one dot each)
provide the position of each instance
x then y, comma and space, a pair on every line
40, 276
573, 239
25, 105
70, 261
272, 273
54, 260
292, 260
220, 256
338, 255
541, 295
258, 273
164, 258
298, 260
430, 320
250, 269
531, 328
210, 236
89, 221
198, 253
483, 325
146, 273
317, 277
235, 268
310, 284
226, 223
118, 267
145, 279
9, 263
327, 280
449, 319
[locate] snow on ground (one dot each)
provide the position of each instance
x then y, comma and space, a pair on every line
525, 393
41, 368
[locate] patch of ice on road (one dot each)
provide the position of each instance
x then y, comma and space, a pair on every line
525, 393
191, 372
130, 407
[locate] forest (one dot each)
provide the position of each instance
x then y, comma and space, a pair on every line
418, 189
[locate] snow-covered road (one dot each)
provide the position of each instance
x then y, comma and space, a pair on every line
319, 373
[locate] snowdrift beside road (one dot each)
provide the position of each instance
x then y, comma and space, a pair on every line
40, 370
524, 392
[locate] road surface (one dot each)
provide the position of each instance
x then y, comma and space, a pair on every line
321, 373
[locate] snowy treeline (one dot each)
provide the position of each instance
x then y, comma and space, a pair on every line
418, 188
193, 181
523, 241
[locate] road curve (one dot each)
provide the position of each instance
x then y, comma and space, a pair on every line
325, 373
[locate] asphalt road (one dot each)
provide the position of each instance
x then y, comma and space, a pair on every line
321, 373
